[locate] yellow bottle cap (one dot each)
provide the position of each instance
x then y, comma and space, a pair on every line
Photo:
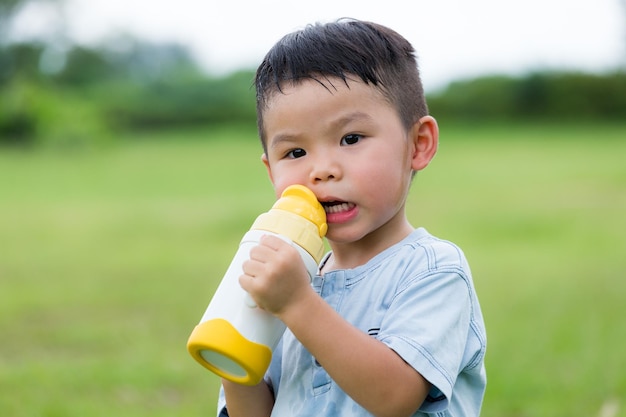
298, 215
300, 200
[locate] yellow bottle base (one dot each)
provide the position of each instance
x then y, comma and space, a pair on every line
220, 348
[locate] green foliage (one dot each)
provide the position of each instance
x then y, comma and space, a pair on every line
55, 96
20, 61
108, 260
556, 96
50, 117
84, 66
183, 101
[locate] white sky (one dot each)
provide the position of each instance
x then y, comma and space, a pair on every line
453, 38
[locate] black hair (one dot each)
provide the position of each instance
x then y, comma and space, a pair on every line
344, 48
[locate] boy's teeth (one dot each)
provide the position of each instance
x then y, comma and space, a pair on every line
336, 208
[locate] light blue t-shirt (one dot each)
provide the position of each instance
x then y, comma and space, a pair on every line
418, 298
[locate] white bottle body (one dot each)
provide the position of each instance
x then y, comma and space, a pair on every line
233, 304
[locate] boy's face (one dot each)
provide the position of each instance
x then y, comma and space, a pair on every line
347, 144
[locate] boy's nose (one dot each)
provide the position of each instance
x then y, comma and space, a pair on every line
325, 169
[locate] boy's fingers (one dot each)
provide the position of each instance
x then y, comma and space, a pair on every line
272, 242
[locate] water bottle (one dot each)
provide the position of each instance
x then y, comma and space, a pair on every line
235, 339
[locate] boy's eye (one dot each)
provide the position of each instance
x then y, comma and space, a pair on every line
350, 139
296, 153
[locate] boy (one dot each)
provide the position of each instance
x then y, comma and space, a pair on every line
391, 326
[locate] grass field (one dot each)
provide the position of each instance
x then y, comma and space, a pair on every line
108, 259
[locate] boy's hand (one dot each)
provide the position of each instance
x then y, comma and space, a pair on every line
275, 275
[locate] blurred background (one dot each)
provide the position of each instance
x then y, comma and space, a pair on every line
129, 170
138, 64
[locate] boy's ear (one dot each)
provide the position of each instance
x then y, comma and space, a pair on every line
425, 136
266, 162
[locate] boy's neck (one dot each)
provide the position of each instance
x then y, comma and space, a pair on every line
353, 254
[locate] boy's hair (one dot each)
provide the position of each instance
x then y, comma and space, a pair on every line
373, 53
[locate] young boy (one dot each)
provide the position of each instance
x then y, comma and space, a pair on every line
391, 326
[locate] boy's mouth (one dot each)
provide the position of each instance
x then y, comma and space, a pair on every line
332, 207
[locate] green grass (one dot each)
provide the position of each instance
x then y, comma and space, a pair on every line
108, 259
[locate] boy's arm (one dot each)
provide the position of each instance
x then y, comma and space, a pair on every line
241, 400
368, 371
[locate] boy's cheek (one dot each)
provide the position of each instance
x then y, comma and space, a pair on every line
281, 182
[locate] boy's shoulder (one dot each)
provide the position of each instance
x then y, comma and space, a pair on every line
436, 253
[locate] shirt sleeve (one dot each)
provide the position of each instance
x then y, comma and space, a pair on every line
221, 404
427, 325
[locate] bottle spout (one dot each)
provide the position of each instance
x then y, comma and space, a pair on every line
300, 200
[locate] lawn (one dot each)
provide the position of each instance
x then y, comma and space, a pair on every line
109, 257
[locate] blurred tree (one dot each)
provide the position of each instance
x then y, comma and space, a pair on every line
623, 3
560, 96
145, 62
22, 59
21, 56
83, 66
9, 9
